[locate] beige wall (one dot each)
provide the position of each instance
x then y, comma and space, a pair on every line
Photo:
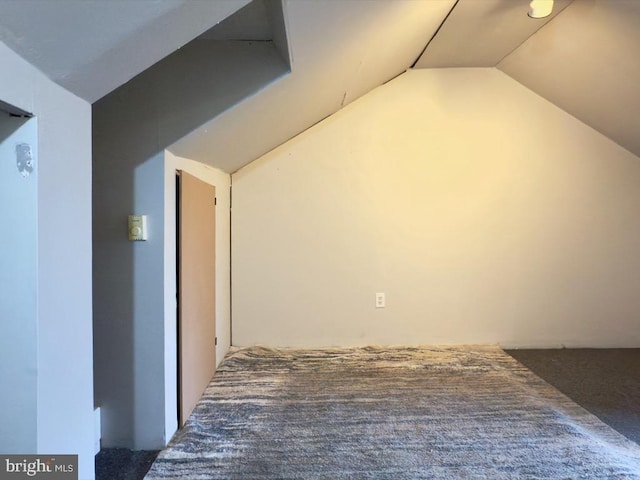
485, 213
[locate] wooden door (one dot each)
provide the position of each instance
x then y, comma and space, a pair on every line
196, 291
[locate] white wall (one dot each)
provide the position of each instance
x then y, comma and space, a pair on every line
134, 308
485, 213
18, 295
64, 416
222, 182
65, 333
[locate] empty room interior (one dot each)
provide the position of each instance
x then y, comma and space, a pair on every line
387, 239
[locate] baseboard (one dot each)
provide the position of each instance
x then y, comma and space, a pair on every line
97, 430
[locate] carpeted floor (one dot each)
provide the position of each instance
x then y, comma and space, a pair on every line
436, 413
605, 382
123, 464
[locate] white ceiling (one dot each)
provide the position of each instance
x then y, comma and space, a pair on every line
340, 51
91, 47
587, 62
249, 23
481, 33
586, 59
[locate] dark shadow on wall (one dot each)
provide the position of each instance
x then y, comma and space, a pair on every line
131, 128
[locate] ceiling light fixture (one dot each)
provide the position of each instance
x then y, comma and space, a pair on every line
540, 8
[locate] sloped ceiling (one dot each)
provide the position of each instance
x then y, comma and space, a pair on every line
340, 51
585, 58
481, 33
90, 47
587, 62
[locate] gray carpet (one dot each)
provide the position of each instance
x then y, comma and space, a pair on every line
604, 381
123, 464
406, 413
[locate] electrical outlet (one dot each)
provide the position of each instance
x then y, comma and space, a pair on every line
380, 300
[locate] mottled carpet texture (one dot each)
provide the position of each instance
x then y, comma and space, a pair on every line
389, 413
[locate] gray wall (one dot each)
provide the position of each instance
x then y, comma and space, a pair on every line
132, 127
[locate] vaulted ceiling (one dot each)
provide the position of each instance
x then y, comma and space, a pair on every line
585, 58
91, 47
